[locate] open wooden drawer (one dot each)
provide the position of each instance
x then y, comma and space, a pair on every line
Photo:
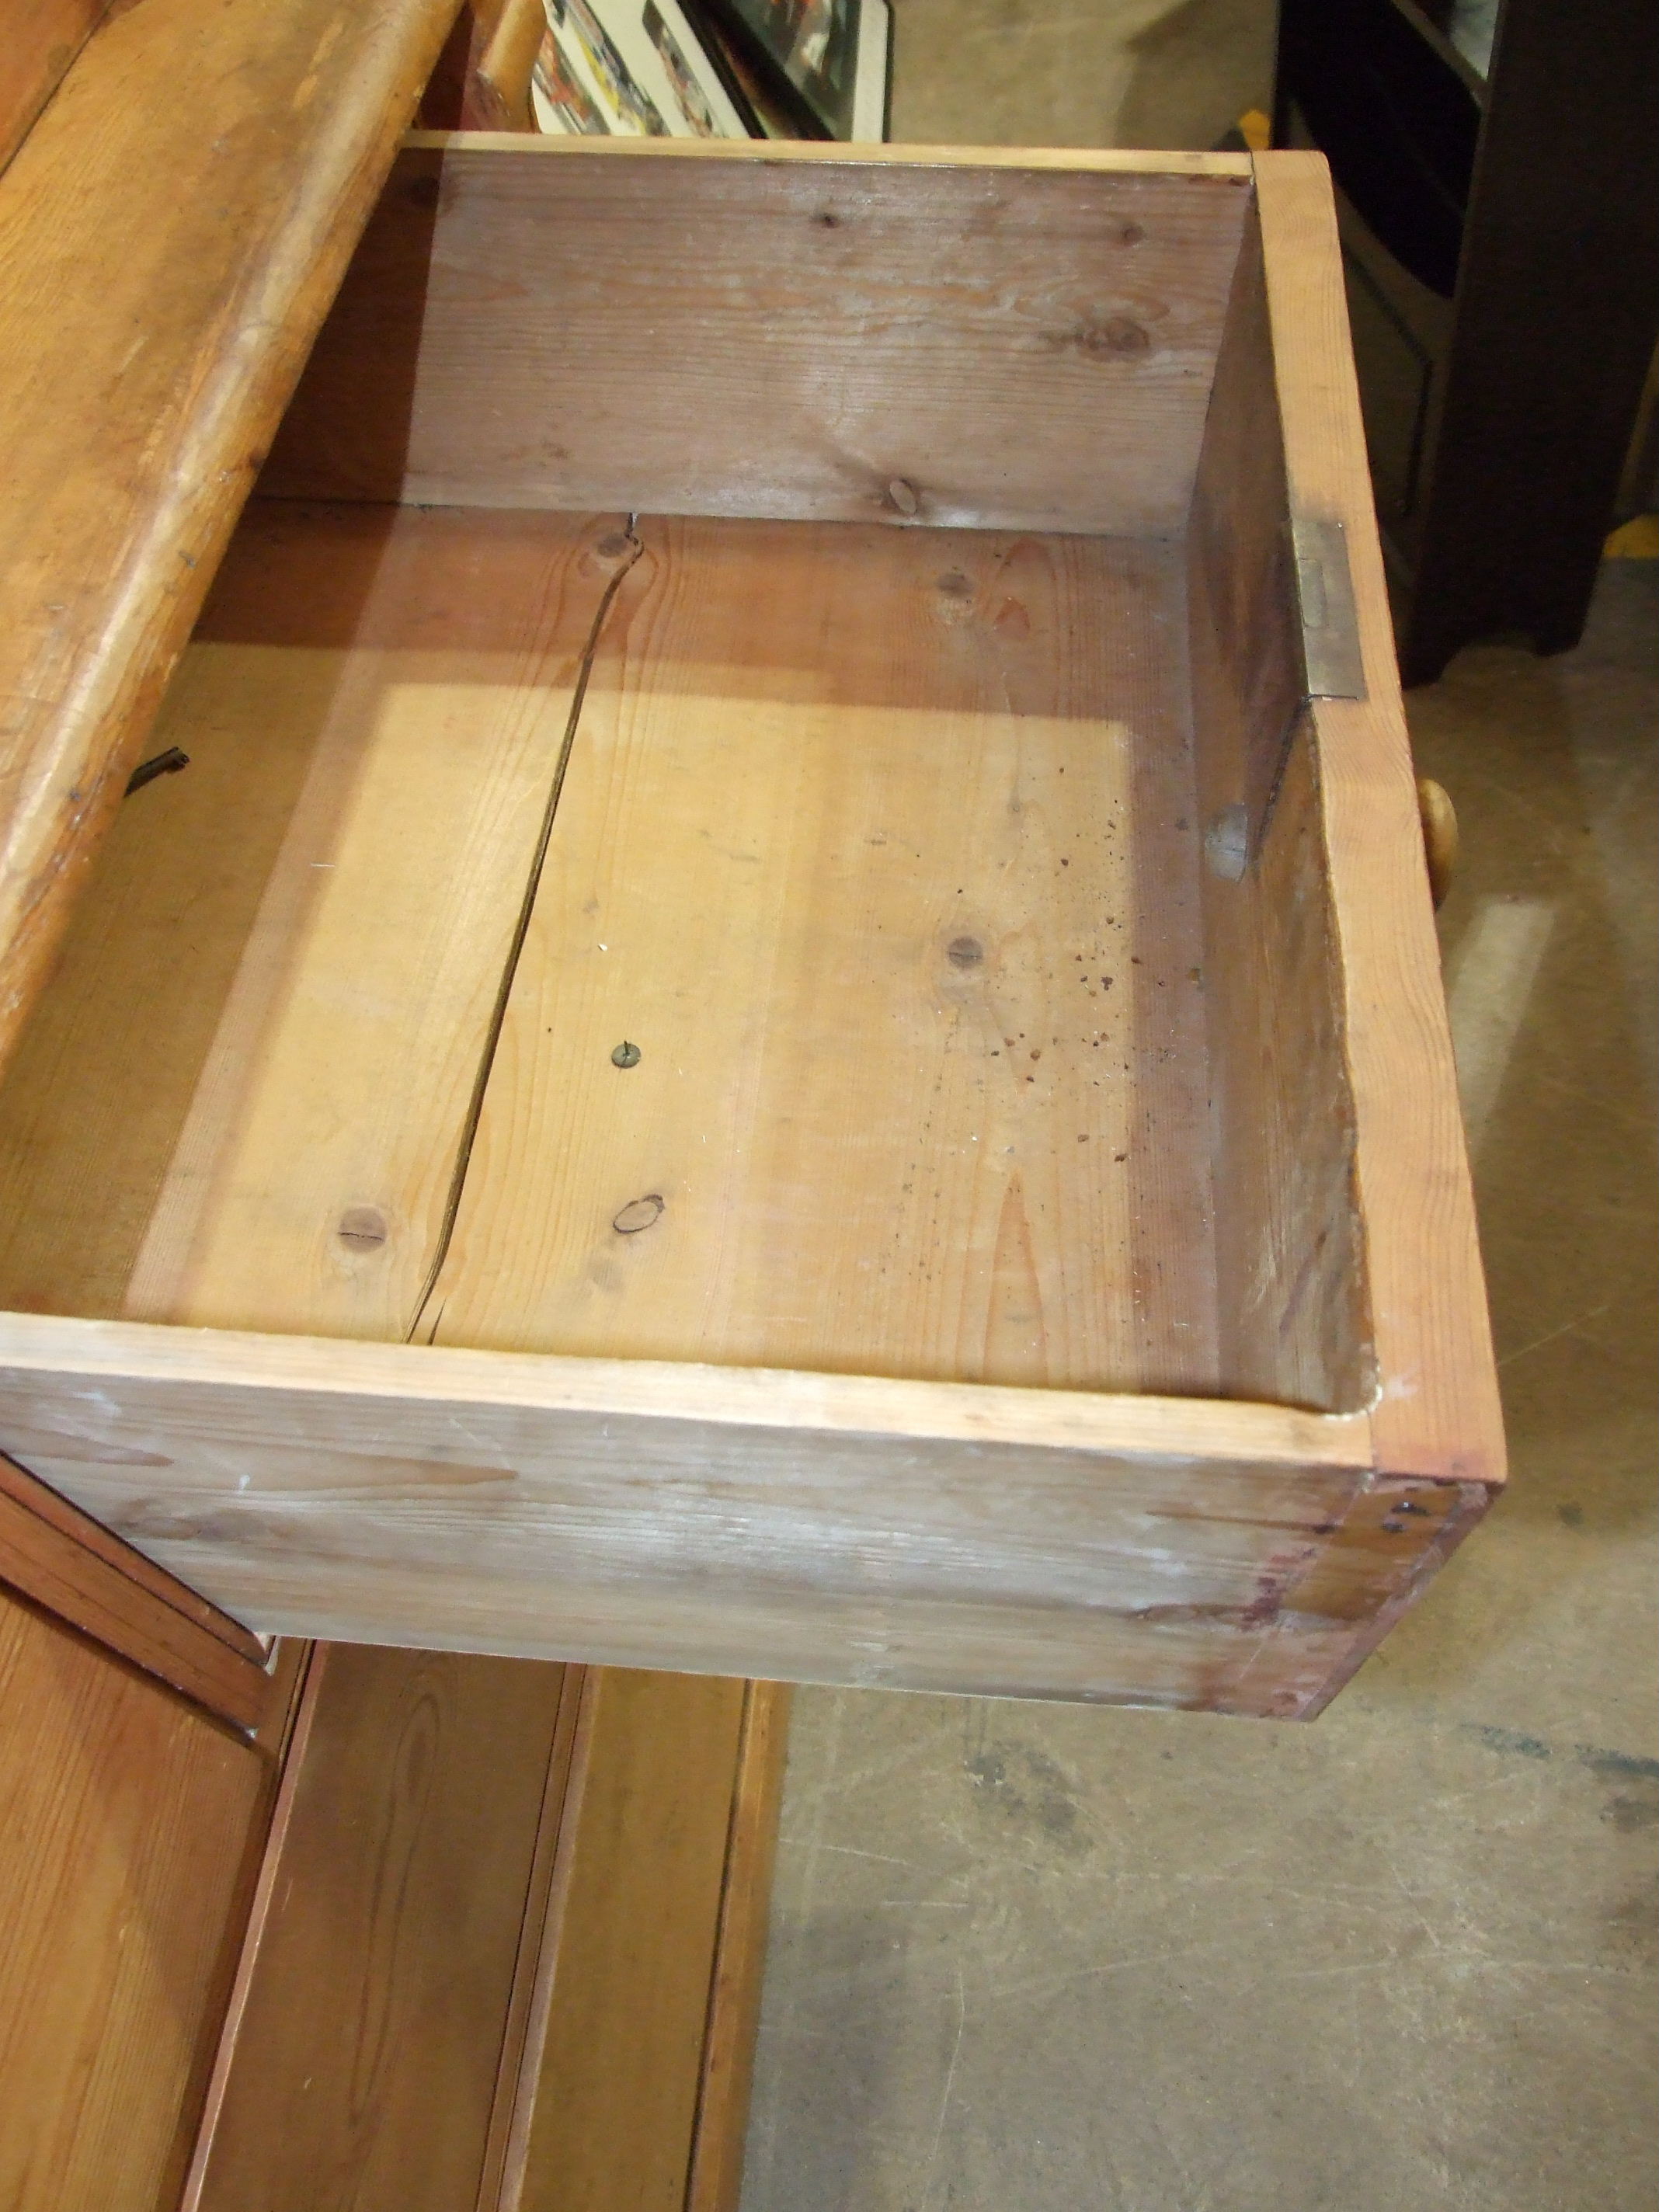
787, 1022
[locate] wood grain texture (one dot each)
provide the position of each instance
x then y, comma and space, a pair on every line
878, 846
1101, 161
42, 38
632, 1948
128, 1823
451, 99
99, 1090
289, 1666
1437, 1410
732, 1519
171, 231
1025, 344
417, 670
498, 90
45, 1506
1290, 1259
215, 881
369, 2035
535, 1979
1244, 637
68, 1563
306, 1690
1296, 1322
716, 2176
552, 2019
811, 1527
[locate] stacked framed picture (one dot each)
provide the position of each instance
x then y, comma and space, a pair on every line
713, 69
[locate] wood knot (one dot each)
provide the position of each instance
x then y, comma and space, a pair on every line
639, 1213
363, 1228
904, 496
964, 952
1116, 340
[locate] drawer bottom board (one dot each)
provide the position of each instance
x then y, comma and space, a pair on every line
874, 856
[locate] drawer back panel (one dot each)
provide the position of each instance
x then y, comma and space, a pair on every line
987, 345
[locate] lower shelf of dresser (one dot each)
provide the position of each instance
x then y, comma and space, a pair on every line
453, 1935
505, 1947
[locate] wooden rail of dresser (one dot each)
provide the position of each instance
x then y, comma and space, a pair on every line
171, 230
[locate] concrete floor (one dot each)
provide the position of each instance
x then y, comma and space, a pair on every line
1030, 1958
1078, 72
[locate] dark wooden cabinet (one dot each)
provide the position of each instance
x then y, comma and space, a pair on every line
1501, 232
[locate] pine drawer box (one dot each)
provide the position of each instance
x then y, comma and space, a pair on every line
787, 1022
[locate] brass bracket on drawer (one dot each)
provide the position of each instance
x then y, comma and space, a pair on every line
1332, 665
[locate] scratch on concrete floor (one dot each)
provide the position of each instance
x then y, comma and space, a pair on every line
945, 2098
851, 1851
1549, 1336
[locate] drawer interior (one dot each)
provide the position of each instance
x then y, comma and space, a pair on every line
740, 808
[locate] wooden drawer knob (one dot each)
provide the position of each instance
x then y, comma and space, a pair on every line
1439, 819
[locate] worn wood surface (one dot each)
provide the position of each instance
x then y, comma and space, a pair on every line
765, 1515
954, 1205
66, 1561
878, 847
1437, 1410
417, 672
631, 1949
498, 90
171, 232
368, 2033
1058, 1588
1290, 1264
421, 756
129, 1831
100, 1085
533, 322
525, 1909
534, 1983
248, 1937
130, 1823
716, 2176
42, 38
815, 1526
93, 1538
